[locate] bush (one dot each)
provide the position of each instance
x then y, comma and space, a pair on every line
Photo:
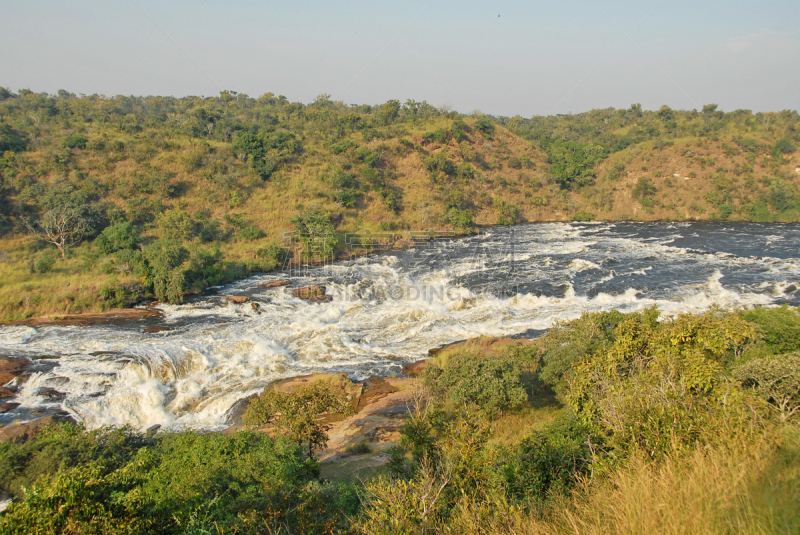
776, 380
297, 414
119, 481
75, 141
658, 388
549, 461
508, 213
583, 216
644, 188
485, 125
117, 237
43, 263
778, 327
493, 384
460, 219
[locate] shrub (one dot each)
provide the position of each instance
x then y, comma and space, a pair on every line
119, 481
75, 141
493, 384
508, 214
778, 327
117, 237
485, 125
297, 414
583, 216
44, 263
644, 188
549, 461
660, 388
776, 380
460, 219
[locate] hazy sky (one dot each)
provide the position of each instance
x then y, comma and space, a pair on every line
502, 57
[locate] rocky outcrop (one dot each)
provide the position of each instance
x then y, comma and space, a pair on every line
109, 316
275, 284
17, 433
414, 369
315, 293
238, 299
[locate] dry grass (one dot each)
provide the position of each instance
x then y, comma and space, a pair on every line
751, 488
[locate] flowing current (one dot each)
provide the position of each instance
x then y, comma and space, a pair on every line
387, 310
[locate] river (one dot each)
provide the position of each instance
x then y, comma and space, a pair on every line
387, 310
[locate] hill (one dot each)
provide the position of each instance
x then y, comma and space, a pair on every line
163, 196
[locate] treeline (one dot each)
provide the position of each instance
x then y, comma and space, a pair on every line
611, 423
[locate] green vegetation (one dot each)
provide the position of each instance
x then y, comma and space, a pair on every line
226, 177
681, 425
297, 414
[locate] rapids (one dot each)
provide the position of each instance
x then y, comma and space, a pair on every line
389, 309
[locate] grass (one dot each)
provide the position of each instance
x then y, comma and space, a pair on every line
749, 488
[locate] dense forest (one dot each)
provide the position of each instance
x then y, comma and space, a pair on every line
107, 201
611, 423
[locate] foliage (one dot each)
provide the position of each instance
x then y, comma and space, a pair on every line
775, 380
117, 237
549, 461
119, 481
652, 387
508, 214
572, 163
460, 219
493, 384
297, 414
583, 215
568, 342
75, 141
11, 140
316, 233
778, 327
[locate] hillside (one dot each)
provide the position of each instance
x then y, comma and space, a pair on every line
164, 196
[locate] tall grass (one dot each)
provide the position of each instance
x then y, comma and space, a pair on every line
751, 487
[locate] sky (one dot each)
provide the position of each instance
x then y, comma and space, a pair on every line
502, 57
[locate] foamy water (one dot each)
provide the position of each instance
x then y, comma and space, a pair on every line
390, 309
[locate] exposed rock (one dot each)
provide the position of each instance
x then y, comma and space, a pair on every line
789, 289
13, 369
109, 316
414, 369
17, 433
381, 415
8, 406
275, 284
237, 299
312, 293
155, 329
255, 305
6, 393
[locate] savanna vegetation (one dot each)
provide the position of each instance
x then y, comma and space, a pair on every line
611, 423
106, 201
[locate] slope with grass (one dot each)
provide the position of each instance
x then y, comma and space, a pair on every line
161, 197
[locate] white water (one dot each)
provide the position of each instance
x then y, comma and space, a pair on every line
389, 310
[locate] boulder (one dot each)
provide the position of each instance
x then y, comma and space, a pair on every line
237, 299
275, 284
255, 305
17, 433
155, 329
312, 293
415, 368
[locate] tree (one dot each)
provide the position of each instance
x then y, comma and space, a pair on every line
297, 414
117, 237
11, 140
63, 226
